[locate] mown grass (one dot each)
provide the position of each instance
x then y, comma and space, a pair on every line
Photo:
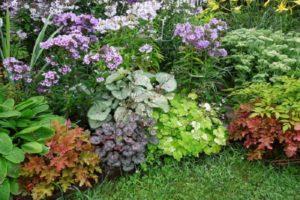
220, 177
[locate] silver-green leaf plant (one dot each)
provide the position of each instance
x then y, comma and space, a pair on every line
128, 92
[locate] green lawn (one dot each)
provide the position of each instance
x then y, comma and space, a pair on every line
227, 175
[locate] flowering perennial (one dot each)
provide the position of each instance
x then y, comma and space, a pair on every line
203, 38
85, 24
51, 78
145, 10
108, 54
115, 23
73, 43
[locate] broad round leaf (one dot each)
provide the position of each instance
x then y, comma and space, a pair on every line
15, 156
6, 144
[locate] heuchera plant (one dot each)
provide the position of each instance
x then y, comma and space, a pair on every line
187, 130
71, 160
124, 144
263, 134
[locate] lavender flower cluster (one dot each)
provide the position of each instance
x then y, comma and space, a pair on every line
73, 43
108, 54
145, 10
17, 69
85, 24
41, 9
12, 5
115, 23
51, 78
204, 38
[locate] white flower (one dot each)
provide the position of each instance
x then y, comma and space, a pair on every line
111, 11
207, 107
21, 34
1, 22
145, 10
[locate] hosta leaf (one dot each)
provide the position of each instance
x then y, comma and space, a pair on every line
13, 169
5, 190
14, 186
8, 124
6, 144
32, 147
15, 156
36, 133
40, 109
3, 169
8, 104
9, 114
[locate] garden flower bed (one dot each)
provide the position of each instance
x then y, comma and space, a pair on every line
95, 90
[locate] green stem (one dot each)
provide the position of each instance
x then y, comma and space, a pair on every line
7, 34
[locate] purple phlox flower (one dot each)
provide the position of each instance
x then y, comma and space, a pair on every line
111, 57
146, 48
17, 69
91, 58
65, 69
203, 38
50, 61
100, 79
51, 78
74, 43
86, 24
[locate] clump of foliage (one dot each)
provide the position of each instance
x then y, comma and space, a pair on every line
280, 100
24, 128
126, 92
187, 130
124, 144
259, 55
70, 160
271, 116
262, 135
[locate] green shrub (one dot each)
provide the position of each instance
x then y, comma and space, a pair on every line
260, 55
187, 130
